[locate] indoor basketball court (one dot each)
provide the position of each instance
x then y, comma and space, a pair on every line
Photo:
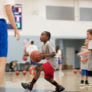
45, 45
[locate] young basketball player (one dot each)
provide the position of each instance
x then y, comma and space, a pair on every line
48, 53
59, 57
5, 12
89, 36
90, 50
29, 49
84, 64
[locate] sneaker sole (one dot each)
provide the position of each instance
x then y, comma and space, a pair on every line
29, 89
60, 90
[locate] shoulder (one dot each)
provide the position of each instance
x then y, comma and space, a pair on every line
48, 43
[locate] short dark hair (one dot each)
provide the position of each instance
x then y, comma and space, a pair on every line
90, 31
48, 34
32, 42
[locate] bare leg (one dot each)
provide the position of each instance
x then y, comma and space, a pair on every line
2, 68
86, 81
82, 77
38, 72
86, 77
60, 67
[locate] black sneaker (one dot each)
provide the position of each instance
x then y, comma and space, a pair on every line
24, 85
28, 86
60, 88
86, 82
82, 82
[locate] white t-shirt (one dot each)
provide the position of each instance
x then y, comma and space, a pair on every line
48, 48
59, 53
31, 48
2, 7
84, 65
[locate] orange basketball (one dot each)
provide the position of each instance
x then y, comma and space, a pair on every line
17, 73
35, 56
24, 73
75, 71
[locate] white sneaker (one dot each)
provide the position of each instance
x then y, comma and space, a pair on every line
82, 84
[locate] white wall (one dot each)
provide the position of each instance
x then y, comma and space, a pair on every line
34, 18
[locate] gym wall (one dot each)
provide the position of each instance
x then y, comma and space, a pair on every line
16, 48
35, 18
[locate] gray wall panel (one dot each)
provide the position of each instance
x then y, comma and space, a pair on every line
86, 14
59, 13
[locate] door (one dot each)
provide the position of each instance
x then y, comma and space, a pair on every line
70, 56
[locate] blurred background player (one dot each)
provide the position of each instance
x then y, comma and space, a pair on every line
90, 51
5, 12
89, 36
59, 56
49, 67
31, 47
84, 64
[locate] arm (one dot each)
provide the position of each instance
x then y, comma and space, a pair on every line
8, 9
50, 50
81, 53
49, 55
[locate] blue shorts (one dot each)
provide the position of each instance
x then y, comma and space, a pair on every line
59, 61
3, 38
84, 72
34, 63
